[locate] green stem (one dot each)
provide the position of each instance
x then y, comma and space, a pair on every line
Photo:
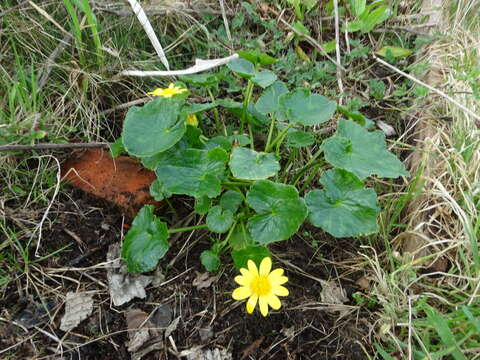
307, 166
270, 132
187, 228
218, 123
246, 101
310, 177
279, 138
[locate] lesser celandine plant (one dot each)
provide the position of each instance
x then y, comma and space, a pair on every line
244, 177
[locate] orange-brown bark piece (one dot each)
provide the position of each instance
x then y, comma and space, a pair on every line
122, 180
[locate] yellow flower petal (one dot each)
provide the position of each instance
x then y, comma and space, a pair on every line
278, 281
252, 268
240, 280
274, 302
265, 266
262, 301
251, 303
275, 273
280, 291
192, 120
241, 293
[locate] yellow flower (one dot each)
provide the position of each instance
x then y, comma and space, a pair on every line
192, 120
261, 285
168, 92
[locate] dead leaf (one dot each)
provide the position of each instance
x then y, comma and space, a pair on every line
140, 329
163, 316
199, 354
203, 280
332, 293
387, 129
172, 327
78, 306
123, 286
205, 334
252, 347
363, 283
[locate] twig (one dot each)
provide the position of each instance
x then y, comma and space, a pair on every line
53, 146
51, 60
337, 49
225, 21
429, 87
165, 11
125, 105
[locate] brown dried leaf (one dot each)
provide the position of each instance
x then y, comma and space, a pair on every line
203, 280
78, 306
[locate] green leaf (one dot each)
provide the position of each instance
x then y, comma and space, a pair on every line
146, 241
117, 148
329, 46
377, 16
264, 78
202, 205
358, 117
395, 51
266, 60
231, 200
343, 207
224, 142
301, 28
354, 26
268, 101
252, 165
153, 128
256, 57
196, 108
193, 172
280, 211
362, 152
151, 162
301, 107
242, 67
210, 260
157, 191
297, 139
201, 79
219, 220
254, 253
358, 6
240, 237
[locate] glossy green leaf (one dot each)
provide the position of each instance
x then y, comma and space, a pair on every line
297, 139
280, 211
224, 142
196, 108
151, 162
254, 253
266, 60
343, 207
264, 78
210, 260
362, 152
153, 128
395, 51
193, 172
301, 107
358, 117
268, 101
202, 205
117, 148
375, 17
240, 237
146, 241
358, 6
242, 67
231, 200
252, 165
219, 220
255, 57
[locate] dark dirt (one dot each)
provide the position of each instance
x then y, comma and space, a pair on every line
85, 227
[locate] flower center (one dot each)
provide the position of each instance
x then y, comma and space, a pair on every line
261, 286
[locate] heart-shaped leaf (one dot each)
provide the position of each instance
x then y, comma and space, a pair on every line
231, 200
264, 78
242, 67
219, 220
146, 241
362, 152
193, 172
158, 192
196, 108
280, 211
153, 128
297, 139
252, 165
202, 205
301, 107
268, 101
343, 207
210, 260
254, 253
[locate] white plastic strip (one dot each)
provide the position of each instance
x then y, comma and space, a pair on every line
142, 17
200, 65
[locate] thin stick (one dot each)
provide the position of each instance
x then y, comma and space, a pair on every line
225, 20
53, 146
51, 60
166, 11
125, 105
429, 87
337, 49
